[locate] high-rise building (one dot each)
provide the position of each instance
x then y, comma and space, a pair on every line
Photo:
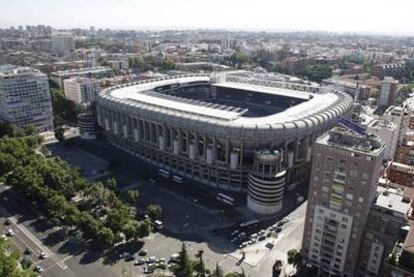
62, 44
400, 116
388, 133
345, 169
387, 219
24, 98
388, 92
81, 90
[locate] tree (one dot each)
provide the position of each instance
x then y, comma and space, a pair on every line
200, 266
9, 263
106, 237
133, 196
218, 272
117, 218
29, 130
6, 129
184, 268
144, 228
60, 133
64, 110
131, 230
154, 211
295, 258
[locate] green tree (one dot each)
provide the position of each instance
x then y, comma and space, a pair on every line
154, 211
29, 130
200, 266
117, 218
131, 230
106, 237
60, 133
9, 263
133, 196
64, 110
218, 272
6, 129
184, 268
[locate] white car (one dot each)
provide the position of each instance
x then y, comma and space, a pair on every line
39, 269
10, 233
43, 255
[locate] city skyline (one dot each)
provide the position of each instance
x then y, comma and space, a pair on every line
354, 17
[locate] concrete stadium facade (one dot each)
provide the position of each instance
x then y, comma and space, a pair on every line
203, 128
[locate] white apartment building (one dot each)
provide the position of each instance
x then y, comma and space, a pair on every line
62, 44
24, 98
400, 116
388, 132
81, 90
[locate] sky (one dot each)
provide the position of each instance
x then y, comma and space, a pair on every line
376, 16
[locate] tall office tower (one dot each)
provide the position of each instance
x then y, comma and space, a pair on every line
345, 170
81, 90
62, 44
24, 98
388, 92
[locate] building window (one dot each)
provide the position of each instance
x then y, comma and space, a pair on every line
349, 196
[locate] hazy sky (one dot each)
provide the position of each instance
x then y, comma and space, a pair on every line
395, 16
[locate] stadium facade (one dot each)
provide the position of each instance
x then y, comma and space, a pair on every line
224, 130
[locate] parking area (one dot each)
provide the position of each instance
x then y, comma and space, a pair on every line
191, 214
91, 166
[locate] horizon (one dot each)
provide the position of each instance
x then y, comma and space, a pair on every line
354, 17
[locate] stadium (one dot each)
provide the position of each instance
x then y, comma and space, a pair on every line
227, 131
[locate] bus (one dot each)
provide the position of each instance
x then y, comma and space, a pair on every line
158, 224
177, 179
225, 199
164, 173
248, 224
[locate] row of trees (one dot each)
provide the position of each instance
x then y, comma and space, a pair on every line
187, 267
96, 210
9, 263
64, 110
10, 130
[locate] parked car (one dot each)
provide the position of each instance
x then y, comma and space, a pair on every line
139, 262
148, 270
175, 257
123, 255
43, 255
151, 260
261, 238
39, 269
129, 258
143, 252
10, 232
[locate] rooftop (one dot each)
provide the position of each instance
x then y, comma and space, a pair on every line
138, 94
73, 72
344, 138
393, 200
11, 70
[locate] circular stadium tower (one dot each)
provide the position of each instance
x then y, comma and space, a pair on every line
210, 129
266, 184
